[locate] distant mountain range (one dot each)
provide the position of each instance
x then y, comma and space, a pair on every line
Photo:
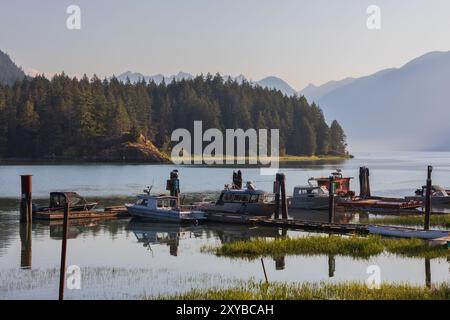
9, 71
404, 108
268, 82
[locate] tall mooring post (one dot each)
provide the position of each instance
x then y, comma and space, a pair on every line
276, 191
331, 200
428, 200
281, 177
364, 183
173, 184
279, 188
26, 210
62, 271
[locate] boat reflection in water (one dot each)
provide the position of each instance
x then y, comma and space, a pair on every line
171, 234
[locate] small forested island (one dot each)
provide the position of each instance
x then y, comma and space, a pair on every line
70, 119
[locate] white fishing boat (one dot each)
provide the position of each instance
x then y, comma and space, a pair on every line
315, 195
163, 208
309, 197
246, 202
439, 195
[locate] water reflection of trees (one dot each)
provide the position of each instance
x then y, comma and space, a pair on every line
150, 234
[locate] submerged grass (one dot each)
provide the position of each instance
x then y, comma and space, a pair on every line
354, 246
435, 220
316, 291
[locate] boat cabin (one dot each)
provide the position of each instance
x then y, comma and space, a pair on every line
157, 201
244, 196
310, 191
341, 183
436, 191
59, 199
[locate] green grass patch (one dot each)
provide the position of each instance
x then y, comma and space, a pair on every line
354, 246
435, 220
316, 291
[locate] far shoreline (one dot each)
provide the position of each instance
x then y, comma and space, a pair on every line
282, 159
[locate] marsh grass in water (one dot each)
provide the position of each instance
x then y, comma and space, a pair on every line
316, 291
435, 220
354, 246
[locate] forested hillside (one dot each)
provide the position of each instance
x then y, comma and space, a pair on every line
9, 71
72, 118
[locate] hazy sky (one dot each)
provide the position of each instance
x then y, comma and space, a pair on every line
299, 41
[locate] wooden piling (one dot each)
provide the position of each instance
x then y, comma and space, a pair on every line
284, 208
62, 272
26, 210
331, 200
276, 191
364, 183
428, 200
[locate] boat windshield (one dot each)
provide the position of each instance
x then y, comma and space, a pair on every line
142, 202
166, 203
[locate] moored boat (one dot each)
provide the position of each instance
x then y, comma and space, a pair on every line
439, 195
163, 208
58, 200
246, 202
315, 196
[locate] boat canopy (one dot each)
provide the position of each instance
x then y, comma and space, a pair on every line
305, 190
59, 199
157, 201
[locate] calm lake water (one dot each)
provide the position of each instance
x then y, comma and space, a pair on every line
126, 259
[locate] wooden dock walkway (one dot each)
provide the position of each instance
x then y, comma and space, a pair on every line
399, 232
289, 223
381, 204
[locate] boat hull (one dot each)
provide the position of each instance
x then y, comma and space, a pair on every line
309, 203
407, 232
164, 215
248, 209
435, 201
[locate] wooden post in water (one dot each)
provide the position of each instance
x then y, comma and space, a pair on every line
264, 269
428, 200
62, 272
26, 210
331, 200
282, 181
364, 183
276, 190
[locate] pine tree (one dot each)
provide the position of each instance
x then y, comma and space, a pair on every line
338, 138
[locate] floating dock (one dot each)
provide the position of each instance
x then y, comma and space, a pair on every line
381, 204
295, 224
108, 212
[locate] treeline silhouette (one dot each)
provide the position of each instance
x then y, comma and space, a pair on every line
70, 117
